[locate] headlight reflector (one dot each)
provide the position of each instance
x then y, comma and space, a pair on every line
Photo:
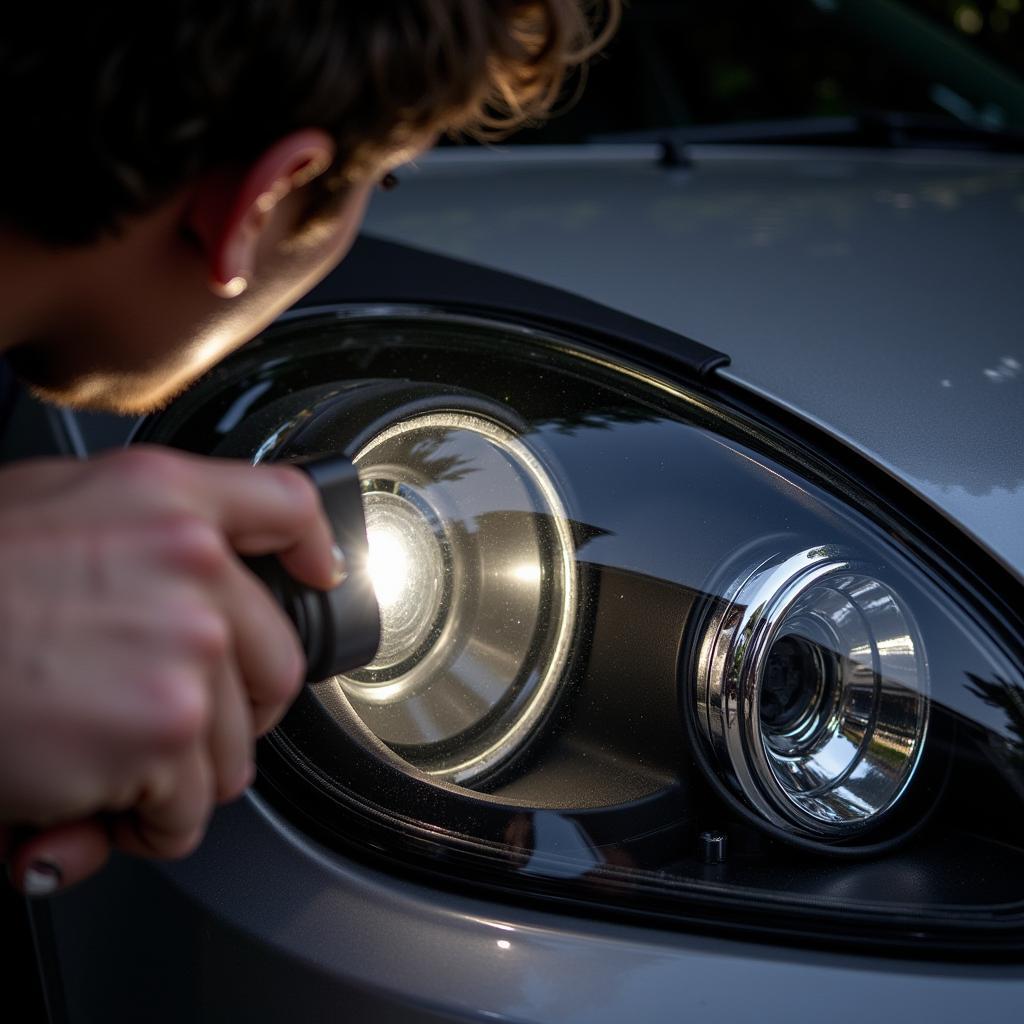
473, 563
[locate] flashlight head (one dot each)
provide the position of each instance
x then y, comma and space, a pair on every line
340, 628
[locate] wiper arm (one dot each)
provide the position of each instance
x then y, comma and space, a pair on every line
872, 130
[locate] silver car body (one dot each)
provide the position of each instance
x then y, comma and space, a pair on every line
879, 295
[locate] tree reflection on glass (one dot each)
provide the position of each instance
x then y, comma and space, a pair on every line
1009, 697
425, 456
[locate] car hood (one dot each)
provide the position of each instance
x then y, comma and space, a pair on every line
879, 295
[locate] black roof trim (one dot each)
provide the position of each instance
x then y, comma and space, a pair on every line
381, 271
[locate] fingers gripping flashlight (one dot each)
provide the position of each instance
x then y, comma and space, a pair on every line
339, 629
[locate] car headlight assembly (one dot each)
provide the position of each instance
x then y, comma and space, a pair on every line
811, 691
642, 647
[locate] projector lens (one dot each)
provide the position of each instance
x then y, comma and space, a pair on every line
812, 693
473, 564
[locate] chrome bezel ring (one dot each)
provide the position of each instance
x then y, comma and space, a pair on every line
870, 718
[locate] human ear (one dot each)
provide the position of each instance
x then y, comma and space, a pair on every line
231, 210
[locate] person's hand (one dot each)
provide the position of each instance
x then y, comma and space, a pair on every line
140, 658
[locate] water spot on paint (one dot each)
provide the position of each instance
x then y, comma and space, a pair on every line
1006, 369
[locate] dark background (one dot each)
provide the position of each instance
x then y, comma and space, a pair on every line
680, 62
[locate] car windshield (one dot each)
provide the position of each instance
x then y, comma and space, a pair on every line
677, 64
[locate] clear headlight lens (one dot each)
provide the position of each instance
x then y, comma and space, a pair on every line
811, 691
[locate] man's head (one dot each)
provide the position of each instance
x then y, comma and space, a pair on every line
178, 174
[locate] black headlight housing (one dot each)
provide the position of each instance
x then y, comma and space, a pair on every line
628, 608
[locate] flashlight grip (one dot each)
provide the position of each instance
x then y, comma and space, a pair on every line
339, 629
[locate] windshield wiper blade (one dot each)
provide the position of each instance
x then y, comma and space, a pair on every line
872, 130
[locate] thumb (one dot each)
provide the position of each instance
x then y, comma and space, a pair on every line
50, 861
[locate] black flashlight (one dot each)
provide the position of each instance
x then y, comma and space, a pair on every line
340, 628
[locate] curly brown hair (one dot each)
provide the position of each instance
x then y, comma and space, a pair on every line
117, 105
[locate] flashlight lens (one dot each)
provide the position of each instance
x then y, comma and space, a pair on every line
472, 561
409, 566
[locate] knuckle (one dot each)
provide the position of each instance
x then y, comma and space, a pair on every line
196, 545
204, 633
178, 709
